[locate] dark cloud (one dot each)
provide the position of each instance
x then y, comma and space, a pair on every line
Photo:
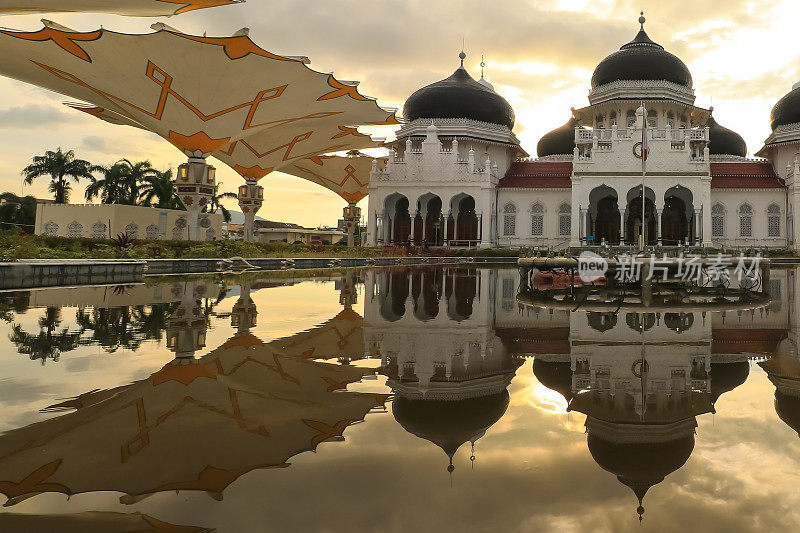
32, 116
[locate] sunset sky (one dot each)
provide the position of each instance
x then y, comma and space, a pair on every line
540, 56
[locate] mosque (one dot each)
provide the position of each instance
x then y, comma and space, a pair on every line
457, 175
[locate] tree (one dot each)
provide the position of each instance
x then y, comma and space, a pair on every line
60, 166
49, 343
216, 202
17, 212
112, 328
160, 186
121, 182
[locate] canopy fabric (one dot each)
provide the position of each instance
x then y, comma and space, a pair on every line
197, 426
347, 176
341, 337
134, 8
229, 91
93, 521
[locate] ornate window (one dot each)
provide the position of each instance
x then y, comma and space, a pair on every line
75, 229
600, 121
508, 288
152, 232
537, 219
99, 230
565, 219
210, 234
132, 230
774, 221
652, 119
612, 118
510, 219
51, 229
746, 220
178, 234
718, 220
631, 118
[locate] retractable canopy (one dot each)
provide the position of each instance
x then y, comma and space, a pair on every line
136, 8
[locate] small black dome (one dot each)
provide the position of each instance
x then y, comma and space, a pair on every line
459, 96
555, 376
449, 424
642, 59
787, 110
727, 376
560, 141
724, 141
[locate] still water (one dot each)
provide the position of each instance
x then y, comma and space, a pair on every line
425, 399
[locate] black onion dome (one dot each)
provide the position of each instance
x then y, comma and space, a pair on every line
641, 465
555, 376
787, 110
727, 376
560, 141
788, 409
459, 96
724, 141
642, 59
449, 424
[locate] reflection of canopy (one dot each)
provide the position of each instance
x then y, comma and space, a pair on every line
162, 81
92, 521
341, 337
346, 176
195, 426
135, 8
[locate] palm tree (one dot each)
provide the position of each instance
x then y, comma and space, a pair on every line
59, 166
112, 328
121, 182
216, 202
159, 186
17, 212
48, 343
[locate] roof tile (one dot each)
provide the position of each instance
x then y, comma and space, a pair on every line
538, 175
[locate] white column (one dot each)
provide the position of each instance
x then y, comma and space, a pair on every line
413, 236
446, 217
698, 230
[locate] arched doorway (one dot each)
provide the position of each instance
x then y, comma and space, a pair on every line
399, 219
633, 221
466, 220
431, 207
604, 219
677, 219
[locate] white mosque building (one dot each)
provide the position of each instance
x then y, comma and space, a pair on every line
457, 175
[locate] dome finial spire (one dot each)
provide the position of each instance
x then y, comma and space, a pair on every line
483, 64
462, 56
642, 20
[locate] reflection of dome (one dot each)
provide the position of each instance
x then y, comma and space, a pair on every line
724, 141
459, 96
642, 59
788, 409
787, 110
449, 424
554, 376
727, 376
560, 141
641, 465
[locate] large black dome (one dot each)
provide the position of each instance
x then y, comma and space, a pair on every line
459, 96
787, 110
724, 141
560, 141
642, 59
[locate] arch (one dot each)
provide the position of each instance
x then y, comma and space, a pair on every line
630, 118
677, 218
603, 215
427, 291
99, 230
509, 219
537, 219
393, 302
398, 218
460, 289
430, 221
679, 322
745, 220
465, 220
602, 322
635, 322
75, 229
633, 220
51, 228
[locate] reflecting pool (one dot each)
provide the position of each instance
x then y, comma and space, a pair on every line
440, 398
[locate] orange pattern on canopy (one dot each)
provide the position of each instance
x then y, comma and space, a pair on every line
142, 8
346, 176
66, 41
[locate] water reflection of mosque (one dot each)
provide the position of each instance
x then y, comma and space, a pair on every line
450, 341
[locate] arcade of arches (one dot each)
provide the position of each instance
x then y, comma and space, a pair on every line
670, 220
428, 224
